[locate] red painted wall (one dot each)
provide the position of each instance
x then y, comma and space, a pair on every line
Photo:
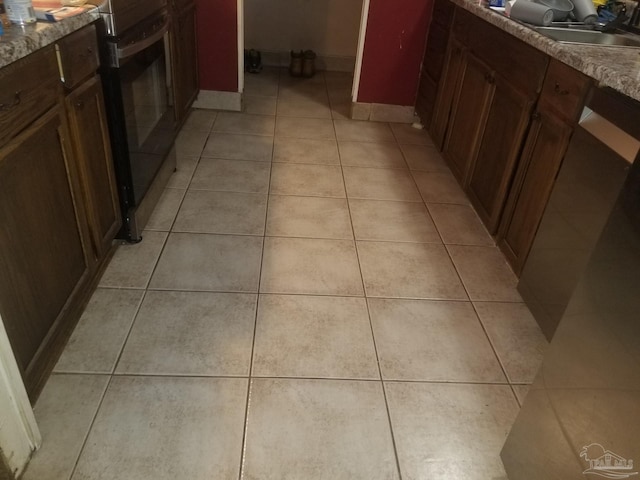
393, 51
218, 44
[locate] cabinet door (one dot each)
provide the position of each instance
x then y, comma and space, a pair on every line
446, 92
90, 139
185, 60
541, 159
469, 110
504, 132
49, 260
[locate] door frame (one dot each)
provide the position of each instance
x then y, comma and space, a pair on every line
19, 435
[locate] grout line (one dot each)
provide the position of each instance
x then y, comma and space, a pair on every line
245, 430
373, 339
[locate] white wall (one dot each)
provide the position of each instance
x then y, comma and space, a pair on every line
19, 434
329, 27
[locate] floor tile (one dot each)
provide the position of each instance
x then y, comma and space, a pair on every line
184, 171
438, 187
459, 224
166, 428
99, 336
235, 122
317, 429
485, 273
450, 431
424, 157
317, 128
338, 80
409, 270
307, 180
516, 337
392, 221
223, 263
265, 83
405, 133
191, 333
365, 154
239, 147
259, 105
166, 209
356, 131
432, 341
521, 392
64, 413
231, 176
304, 107
200, 120
311, 217
300, 150
132, 264
311, 266
319, 337
380, 184
190, 143
222, 212
341, 109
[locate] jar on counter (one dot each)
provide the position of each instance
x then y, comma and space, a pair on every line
20, 11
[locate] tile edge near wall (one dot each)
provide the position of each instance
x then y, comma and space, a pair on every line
218, 100
379, 112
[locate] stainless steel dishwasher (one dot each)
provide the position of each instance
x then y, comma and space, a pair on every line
596, 164
581, 417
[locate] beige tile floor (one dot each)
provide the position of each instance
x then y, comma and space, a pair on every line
314, 298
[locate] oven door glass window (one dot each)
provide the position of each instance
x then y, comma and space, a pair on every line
149, 116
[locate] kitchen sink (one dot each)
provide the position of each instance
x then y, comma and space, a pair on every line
590, 37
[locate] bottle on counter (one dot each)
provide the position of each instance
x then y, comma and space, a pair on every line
4, 19
20, 12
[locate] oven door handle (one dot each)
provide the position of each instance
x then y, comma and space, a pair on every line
137, 47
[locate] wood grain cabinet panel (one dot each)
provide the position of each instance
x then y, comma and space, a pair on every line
184, 52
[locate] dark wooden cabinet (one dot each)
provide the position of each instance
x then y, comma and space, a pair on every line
559, 107
184, 55
434, 60
58, 202
90, 140
491, 172
474, 88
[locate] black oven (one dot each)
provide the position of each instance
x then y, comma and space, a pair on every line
136, 76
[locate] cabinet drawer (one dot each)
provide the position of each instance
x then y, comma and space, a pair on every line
78, 56
563, 91
443, 12
28, 88
435, 52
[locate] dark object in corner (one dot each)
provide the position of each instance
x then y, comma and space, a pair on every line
295, 67
308, 63
252, 61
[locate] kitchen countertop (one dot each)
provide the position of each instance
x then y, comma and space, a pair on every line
19, 41
618, 68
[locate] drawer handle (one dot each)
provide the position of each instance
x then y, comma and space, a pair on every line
559, 91
16, 102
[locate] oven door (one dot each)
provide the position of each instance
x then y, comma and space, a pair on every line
142, 116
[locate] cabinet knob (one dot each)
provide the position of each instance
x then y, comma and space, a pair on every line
559, 91
79, 104
535, 116
16, 101
490, 78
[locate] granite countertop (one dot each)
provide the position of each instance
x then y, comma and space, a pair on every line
618, 68
19, 41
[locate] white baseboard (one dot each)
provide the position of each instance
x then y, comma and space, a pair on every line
380, 112
216, 100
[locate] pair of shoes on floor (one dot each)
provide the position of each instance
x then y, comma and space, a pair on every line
252, 61
303, 64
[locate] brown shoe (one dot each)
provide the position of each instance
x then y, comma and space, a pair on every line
295, 67
308, 64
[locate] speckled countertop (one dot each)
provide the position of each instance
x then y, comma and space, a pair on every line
18, 41
618, 68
